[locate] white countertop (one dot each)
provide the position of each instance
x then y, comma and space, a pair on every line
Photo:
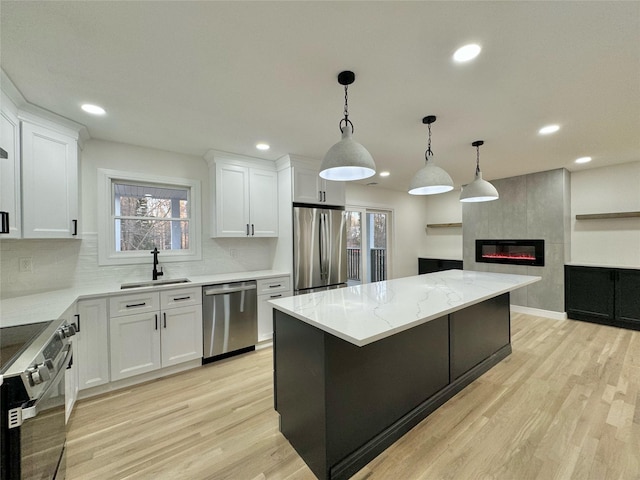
51, 305
365, 313
601, 265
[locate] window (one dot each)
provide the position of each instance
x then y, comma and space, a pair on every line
139, 213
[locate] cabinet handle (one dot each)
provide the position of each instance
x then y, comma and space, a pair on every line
164, 315
156, 321
275, 296
177, 299
247, 229
5, 222
136, 304
77, 323
253, 230
319, 195
275, 286
75, 227
324, 196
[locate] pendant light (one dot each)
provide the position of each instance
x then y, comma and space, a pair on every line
430, 179
347, 160
479, 190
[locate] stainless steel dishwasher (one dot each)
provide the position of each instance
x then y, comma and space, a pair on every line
230, 319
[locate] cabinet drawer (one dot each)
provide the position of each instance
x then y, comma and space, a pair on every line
181, 297
134, 303
273, 285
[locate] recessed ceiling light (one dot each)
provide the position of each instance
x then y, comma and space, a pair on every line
384, 174
466, 53
583, 160
93, 109
262, 146
549, 129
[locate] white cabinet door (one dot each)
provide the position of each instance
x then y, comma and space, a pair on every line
263, 207
269, 289
232, 201
334, 192
71, 380
309, 187
135, 344
91, 345
181, 335
9, 173
306, 188
49, 183
246, 201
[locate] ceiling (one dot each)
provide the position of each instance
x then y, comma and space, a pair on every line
193, 76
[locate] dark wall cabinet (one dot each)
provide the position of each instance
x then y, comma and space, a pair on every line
603, 295
429, 265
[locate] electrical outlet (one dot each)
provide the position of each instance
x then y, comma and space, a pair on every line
233, 253
26, 264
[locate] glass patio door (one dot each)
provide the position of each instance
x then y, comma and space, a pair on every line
367, 245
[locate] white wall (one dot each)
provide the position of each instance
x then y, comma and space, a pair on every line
443, 242
409, 216
67, 263
614, 242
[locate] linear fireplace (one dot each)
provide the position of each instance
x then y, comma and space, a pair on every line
514, 252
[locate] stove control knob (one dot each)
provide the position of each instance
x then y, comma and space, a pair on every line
66, 331
39, 374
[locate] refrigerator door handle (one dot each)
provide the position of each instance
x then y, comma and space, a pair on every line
321, 244
326, 254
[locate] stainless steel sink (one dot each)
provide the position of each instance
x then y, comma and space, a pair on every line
154, 283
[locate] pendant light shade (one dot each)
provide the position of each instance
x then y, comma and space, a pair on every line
479, 190
347, 160
430, 179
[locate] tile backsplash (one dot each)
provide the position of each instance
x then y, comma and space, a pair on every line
58, 264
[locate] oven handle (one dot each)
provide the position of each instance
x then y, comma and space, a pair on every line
33, 410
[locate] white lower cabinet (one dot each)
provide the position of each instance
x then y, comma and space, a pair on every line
90, 343
269, 289
181, 337
71, 373
153, 330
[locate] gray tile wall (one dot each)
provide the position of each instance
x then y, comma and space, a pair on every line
535, 206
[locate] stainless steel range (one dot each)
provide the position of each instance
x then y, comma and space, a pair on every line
33, 360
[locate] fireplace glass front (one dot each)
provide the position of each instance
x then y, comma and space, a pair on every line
514, 252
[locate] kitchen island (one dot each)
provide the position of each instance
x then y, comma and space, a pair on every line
356, 368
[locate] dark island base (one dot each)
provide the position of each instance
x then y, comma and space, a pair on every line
341, 405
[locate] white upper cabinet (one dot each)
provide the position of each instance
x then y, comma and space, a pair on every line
9, 170
309, 187
245, 197
49, 182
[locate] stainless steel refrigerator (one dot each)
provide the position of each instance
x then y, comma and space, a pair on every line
319, 248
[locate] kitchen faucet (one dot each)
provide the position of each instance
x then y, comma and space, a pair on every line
156, 273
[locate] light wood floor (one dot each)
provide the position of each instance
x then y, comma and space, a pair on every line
564, 405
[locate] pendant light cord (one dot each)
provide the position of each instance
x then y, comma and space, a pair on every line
346, 112
428, 151
477, 159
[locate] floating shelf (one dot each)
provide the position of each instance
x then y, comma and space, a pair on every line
443, 225
597, 216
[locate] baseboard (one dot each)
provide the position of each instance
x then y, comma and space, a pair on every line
539, 312
264, 344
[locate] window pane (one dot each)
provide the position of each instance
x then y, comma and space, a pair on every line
160, 217
132, 235
150, 201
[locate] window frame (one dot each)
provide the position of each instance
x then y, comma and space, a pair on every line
107, 253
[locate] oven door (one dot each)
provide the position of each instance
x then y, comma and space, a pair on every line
43, 433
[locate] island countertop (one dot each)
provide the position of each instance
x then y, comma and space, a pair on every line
365, 313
